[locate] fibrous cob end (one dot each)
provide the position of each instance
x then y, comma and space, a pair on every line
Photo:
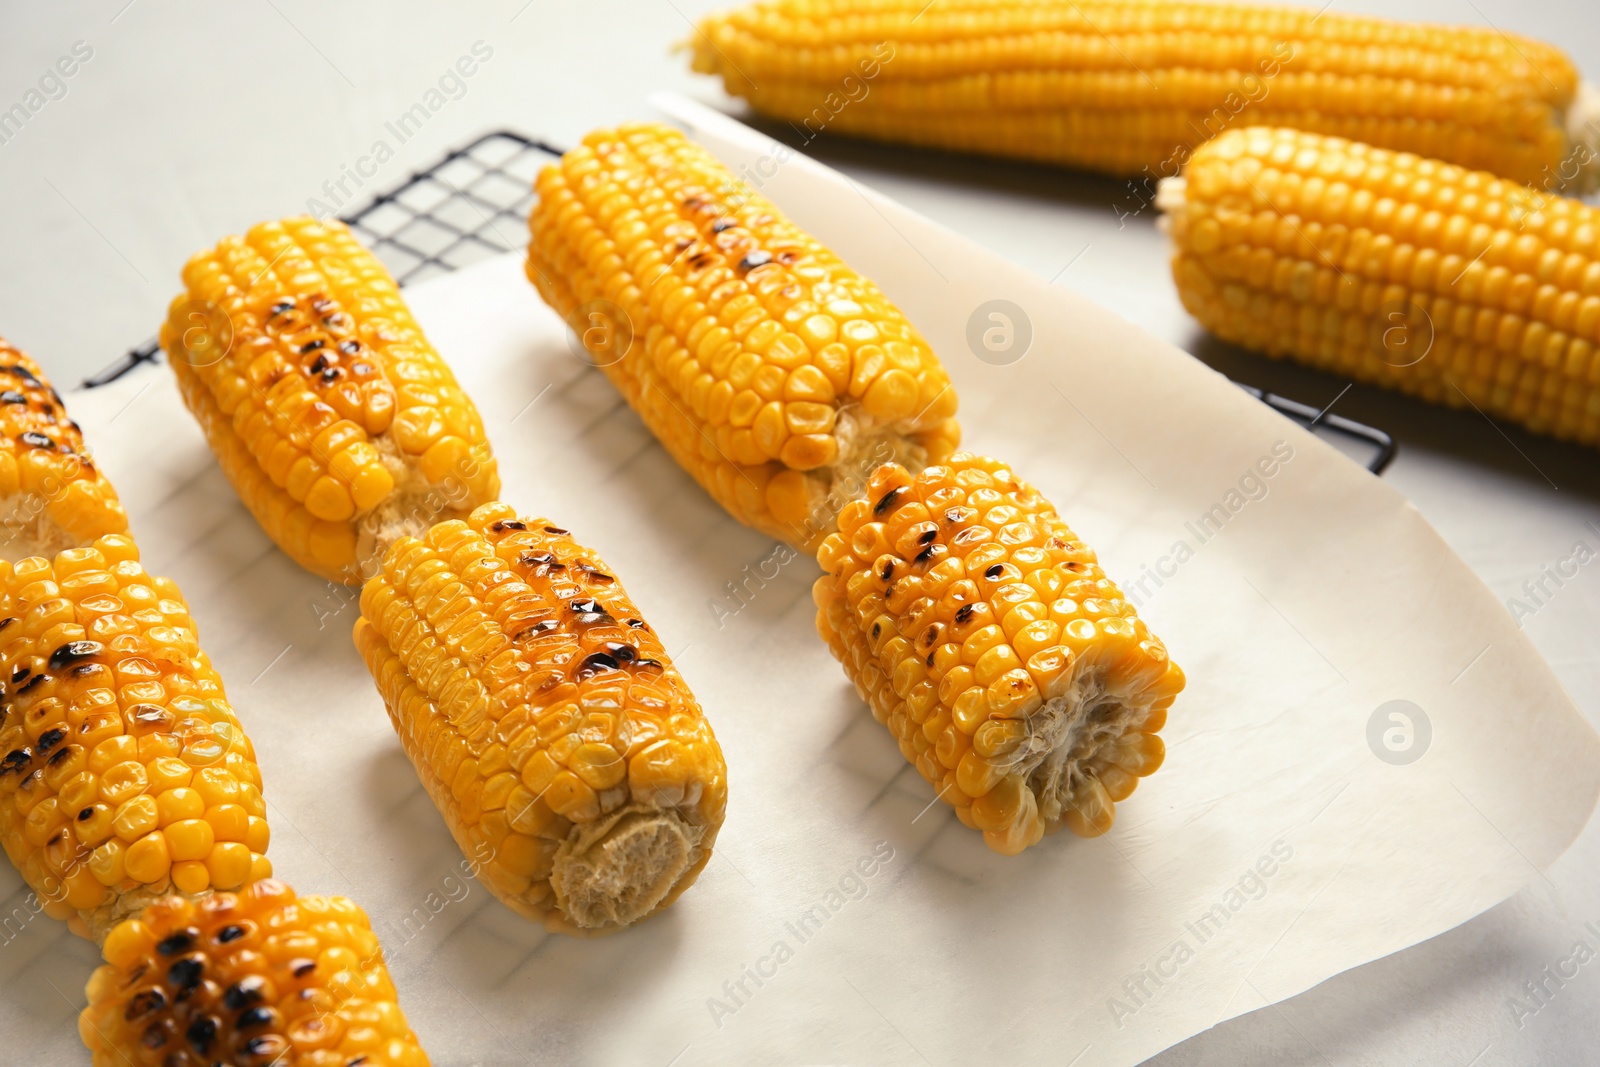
52, 496
613, 873
1583, 134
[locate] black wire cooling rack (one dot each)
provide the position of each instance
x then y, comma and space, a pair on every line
473, 203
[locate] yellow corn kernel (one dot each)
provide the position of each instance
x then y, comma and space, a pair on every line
180, 803
147, 859
320, 396
111, 747
1133, 86
1465, 290
566, 752
773, 373
1029, 724
257, 976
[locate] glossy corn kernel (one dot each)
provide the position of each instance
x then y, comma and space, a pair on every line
984, 634
124, 775
1445, 283
771, 371
1123, 85
257, 978
52, 496
564, 749
334, 418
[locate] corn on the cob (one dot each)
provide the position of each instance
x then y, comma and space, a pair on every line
1120, 85
334, 418
52, 496
1445, 283
545, 719
124, 775
258, 978
768, 368
984, 634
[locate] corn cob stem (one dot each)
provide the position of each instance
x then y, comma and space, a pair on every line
337, 423
984, 634
1408, 273
52, 496
1122, 85
544, 718
124, 774
768, 368
257, 978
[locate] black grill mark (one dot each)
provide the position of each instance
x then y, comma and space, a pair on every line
74, 652
888, 501
185, 974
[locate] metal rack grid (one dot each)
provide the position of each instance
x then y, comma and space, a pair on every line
474, 202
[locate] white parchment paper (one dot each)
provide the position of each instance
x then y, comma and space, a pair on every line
1298, 828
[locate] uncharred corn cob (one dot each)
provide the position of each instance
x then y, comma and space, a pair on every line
334, 418
52, 496
1121, 85
984, 634
545, 719
258, 978
124, 775
767, 367
1409, 273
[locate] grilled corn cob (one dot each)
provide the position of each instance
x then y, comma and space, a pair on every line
52, 496
545, 719
124, 775
1122, 85
258, 978
986, 637
771, 371
1445, 283
337, 423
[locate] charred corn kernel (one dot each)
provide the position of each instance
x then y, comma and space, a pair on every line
52, 496
1133, 86
568, 756
772, 372
334, 418
255, 977
1449, 284
1016, 733
103, 786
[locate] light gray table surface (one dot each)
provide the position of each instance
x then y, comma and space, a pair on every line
191, 120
